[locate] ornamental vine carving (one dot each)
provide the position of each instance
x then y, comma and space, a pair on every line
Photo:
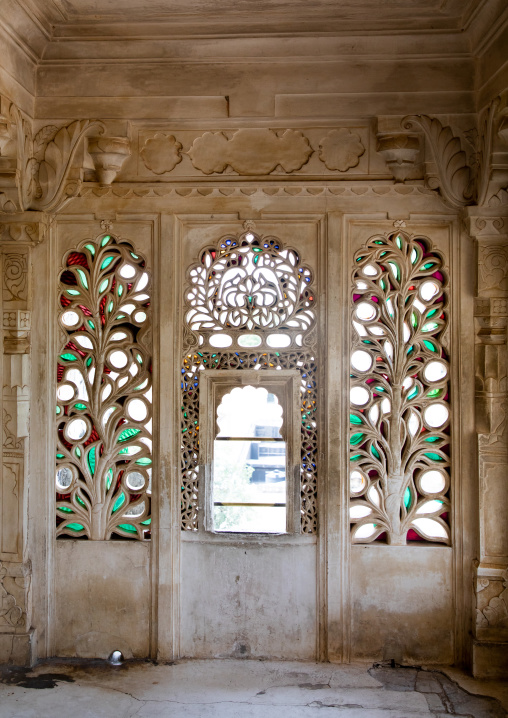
495, 613
10, 613
399, 414
104, 375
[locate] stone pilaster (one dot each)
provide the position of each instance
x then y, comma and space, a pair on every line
18, 234
490, 647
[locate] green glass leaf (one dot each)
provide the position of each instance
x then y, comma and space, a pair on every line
429, 345
91, 324
398, 242
91, 249
80, 501
73, 292
75, 527
77, 451
60, 456
144, 461
119, 502
433, 457
355, 457
407, 498
146, 523
110, 307
139, 358
359, 259
105, 240
58, 410
80, 406
68, 357
431, 439
434, 392
120, 290
128, 527
121, 316
378, 241
83, 278
431, 314
428, 265
89, 361
379, 388
355, 419
128, 434
109, 479
134, 255
382, 284
413, 393
375, 452
103, 286
414, 320
107, 262
91, 460
356, 439
65, 509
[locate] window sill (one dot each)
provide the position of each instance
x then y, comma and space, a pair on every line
241, 539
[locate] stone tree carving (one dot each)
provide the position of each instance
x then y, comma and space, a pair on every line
103, 472
399, 392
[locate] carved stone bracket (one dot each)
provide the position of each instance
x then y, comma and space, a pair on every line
400, 152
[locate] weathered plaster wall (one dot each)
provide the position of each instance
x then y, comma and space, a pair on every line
102, 599
402, 603
248, 600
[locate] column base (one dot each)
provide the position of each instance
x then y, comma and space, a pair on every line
17, 649
490, 660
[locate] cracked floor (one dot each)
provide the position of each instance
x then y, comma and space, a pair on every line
244, 689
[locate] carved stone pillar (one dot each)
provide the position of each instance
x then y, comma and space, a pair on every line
18, 233
490, 646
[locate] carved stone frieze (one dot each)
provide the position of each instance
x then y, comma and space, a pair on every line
493, 269
341, 149
250, 151
161, 153
492, 605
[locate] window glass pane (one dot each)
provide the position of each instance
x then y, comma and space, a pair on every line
252, 519
248, 411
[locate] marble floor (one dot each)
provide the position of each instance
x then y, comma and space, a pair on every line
244, 689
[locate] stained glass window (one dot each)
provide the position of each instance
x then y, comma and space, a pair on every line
399, 389
104, 385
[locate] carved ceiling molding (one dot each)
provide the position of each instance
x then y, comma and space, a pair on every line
44, 170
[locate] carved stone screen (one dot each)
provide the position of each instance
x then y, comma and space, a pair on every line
400, 413
104, 384
249, 304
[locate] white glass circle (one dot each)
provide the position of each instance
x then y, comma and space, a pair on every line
127, 271
220, 340
76, 429
435, 371
65, 392
135, 481
361, 360
140, 317
64, 479
431, 528
118, 359
432, 482
436, 415
428, 290
70, 318
278, 340
359, 512
365, 311
365, 531
249, 340
357, 482
135, 511
359, 395
137, 410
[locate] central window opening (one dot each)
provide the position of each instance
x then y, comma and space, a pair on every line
249, 463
